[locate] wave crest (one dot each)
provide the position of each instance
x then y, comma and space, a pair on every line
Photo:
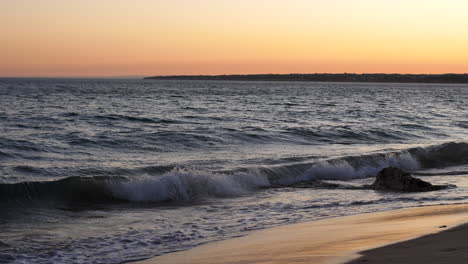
186, 186
189, 185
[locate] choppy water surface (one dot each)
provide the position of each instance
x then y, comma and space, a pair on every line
110, 171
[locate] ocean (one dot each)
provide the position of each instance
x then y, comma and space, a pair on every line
115, 170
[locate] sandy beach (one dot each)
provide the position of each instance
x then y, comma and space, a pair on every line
339, 240
445, 247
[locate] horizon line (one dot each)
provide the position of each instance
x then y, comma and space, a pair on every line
226, 74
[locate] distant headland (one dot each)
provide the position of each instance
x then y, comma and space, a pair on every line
327, 77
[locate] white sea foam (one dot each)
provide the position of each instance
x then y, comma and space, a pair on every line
341, 169
186, 185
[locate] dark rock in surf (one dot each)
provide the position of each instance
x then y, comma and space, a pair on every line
394, 179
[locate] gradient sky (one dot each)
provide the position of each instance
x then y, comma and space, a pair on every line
156, 37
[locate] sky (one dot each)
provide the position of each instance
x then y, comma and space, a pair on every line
51, 38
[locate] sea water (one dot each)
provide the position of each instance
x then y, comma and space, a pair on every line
111, 171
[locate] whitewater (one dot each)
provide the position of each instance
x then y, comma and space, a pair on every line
116, 170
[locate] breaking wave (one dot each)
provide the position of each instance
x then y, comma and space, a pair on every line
190, 185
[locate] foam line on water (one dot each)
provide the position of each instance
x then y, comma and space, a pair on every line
189, 185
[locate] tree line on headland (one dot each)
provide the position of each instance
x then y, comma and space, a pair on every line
327, 77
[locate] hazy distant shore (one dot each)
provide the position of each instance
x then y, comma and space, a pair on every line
326, 77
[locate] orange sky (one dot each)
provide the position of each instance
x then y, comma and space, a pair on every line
152, 37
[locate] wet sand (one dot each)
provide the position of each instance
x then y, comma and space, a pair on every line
449, 246
336, 240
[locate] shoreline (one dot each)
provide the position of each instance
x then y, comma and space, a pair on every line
446, 78
332, 240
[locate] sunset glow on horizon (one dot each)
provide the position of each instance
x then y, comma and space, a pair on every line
144, 37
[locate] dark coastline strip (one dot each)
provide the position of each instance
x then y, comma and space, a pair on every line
445, 247
327, 77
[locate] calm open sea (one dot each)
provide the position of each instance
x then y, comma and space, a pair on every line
110, 171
